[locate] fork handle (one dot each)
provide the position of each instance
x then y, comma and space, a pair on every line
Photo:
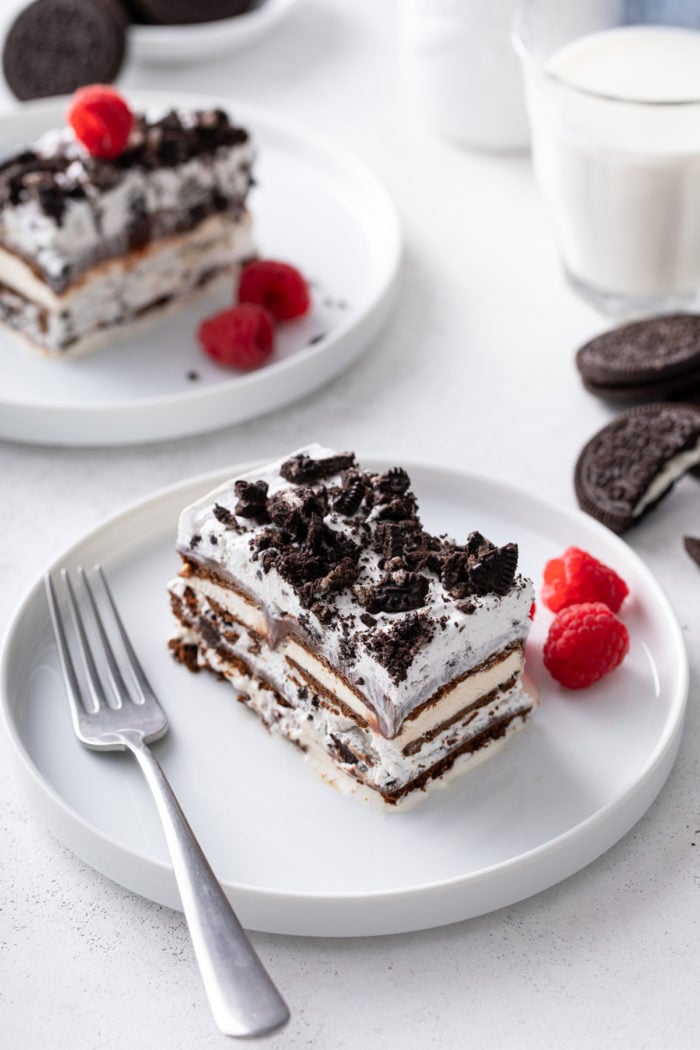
243, 998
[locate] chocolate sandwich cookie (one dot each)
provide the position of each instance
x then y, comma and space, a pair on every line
183, 12
56, 46
653, 359
632, 463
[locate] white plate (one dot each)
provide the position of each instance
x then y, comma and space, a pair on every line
296, 856
173, 45
315, 206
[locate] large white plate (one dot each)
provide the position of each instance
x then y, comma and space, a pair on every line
315, 206
295, 855
173, 45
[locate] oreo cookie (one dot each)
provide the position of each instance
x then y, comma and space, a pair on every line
185, 12
656, 358
54, 47
625, 469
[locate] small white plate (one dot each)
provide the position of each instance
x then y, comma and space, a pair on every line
314, 206
296, 856
173, 45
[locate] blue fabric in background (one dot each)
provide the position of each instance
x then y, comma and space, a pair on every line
677, 12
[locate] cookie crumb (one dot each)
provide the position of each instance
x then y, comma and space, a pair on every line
692, 546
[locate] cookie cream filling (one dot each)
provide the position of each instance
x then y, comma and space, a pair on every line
672, 471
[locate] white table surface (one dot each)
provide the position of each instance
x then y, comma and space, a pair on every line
475, 369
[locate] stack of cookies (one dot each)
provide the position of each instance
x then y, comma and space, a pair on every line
654, 359
56, 46
629, 465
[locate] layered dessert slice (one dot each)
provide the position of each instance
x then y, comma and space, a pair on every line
91, 246
392, 657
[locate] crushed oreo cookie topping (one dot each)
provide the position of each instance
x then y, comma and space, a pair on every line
349, 500
224, 515
395, 648
153, 144
351, 546
252, 500
302, 469
398, 591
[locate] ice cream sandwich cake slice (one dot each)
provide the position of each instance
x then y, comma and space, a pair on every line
392, 657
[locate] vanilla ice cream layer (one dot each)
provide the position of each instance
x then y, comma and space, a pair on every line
332, 739
289, 653
121, 290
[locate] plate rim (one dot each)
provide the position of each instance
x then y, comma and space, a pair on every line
364, 324
664, 751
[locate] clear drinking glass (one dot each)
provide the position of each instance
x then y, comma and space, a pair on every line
613, 96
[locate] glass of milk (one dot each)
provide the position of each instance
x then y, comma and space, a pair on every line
613, 95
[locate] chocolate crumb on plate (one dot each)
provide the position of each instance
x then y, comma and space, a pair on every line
692, 546
629, 465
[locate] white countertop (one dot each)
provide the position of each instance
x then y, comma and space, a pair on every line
475, 369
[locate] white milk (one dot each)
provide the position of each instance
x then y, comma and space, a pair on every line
620, 171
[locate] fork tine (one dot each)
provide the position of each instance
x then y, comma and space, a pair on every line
116, 678
142, 682
92, 677
69, 676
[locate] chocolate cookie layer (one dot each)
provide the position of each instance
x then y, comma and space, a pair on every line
655, 358
632, 463
56, 46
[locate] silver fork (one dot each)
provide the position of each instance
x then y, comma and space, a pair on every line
243, 998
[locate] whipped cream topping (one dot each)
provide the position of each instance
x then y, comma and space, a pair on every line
339, 558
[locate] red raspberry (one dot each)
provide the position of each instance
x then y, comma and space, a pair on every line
579, 577
101, 120
584, 643
278, 287
240, 337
